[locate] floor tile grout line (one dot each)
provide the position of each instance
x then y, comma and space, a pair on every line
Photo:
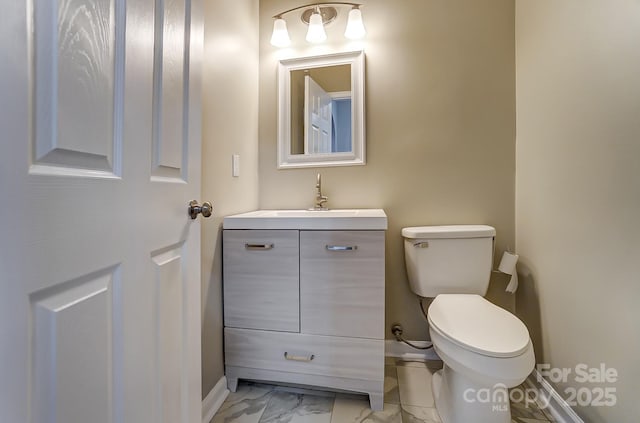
394, 374
263, 410
270, 393
395, 370
333, 406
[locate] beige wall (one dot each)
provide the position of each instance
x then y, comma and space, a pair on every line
578, 188
440, 111
230, 126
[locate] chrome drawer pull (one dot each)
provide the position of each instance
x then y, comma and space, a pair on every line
258, 246
342, 247
306, 358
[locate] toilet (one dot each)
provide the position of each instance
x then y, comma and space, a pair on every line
485, 349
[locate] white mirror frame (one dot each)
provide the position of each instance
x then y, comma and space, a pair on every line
287, 160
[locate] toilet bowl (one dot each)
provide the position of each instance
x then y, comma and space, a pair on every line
485, 349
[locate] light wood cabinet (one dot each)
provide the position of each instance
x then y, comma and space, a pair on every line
342, 283
261, 274
305, 307
293, 352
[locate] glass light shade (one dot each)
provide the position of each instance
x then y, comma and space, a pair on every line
280, 36
355, 27
316, 33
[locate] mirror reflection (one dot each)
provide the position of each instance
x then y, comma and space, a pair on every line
321, 110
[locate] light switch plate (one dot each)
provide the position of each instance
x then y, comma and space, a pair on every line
235, 165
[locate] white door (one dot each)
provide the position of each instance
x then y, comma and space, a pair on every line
99, 262
317, 120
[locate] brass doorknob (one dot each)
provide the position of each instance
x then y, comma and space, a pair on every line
194, 209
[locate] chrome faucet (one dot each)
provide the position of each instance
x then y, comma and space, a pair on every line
320, 199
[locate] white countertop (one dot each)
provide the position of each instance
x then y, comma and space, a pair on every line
338, 219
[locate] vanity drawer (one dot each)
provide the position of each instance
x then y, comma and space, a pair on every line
310, 354
342, 283
260, 279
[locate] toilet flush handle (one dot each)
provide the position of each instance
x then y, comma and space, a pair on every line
421, 244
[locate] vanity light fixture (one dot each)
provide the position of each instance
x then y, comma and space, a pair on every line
355, 28
280, 36
316, 33
317, 15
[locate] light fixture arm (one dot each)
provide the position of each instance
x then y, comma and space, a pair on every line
332, 3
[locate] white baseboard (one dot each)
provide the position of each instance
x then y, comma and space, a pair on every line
558, 407
401, 350
214, 399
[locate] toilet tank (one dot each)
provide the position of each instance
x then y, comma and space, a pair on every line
449, 259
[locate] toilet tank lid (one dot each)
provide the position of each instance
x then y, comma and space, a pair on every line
449, 231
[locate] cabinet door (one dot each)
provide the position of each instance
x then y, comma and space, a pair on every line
342, 283
261, 271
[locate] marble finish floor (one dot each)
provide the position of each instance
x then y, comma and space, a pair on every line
408, 399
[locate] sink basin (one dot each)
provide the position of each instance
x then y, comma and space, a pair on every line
345, 219
314, 213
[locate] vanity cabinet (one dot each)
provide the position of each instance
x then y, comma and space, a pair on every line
305, 307
261, 272
342, 283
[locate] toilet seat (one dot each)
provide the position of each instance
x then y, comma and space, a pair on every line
477, 325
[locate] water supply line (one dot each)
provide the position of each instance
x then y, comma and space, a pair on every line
396, 330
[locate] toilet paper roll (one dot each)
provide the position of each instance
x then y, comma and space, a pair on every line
513, 284
508, 266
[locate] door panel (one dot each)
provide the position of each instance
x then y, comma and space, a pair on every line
171, 68
100, 264
74, 349
317, 118
169, 317
77, 90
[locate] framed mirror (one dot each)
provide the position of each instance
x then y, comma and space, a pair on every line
321, 111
